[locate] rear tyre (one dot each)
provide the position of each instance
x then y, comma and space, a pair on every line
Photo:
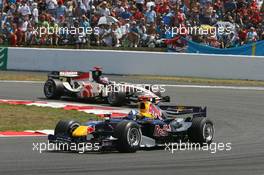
53, 89
201, 131
129, 137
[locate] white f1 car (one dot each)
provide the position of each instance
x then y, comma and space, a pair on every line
92, 86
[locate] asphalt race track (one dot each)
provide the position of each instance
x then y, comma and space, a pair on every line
238, 117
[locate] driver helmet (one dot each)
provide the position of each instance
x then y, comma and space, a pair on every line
96, 72
145, 108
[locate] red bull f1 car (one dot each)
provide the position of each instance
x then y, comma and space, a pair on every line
92, 86
151, 125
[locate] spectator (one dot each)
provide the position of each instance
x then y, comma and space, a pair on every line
149, 4
35, 13
126, 14
53, 34
214, 42
118, 10
24, 9
51, 6
103, 10
79, 9
140, 5
60, 10
133, 35
242, 34
117, 35
151, 15
252, 35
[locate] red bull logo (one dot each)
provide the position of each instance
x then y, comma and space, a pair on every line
161, 131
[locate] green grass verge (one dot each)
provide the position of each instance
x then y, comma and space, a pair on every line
40, 76
206, 81
22, 117
22, 76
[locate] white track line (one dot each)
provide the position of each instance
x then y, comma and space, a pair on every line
217, 87
168, 85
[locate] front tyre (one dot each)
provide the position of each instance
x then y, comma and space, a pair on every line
201, 131
66, 128
129, 137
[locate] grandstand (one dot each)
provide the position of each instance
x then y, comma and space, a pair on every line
132, 23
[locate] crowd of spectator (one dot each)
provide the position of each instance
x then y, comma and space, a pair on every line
129, 23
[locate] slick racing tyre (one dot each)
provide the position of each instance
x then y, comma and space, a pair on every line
53, 89
66, 128
116, 98
129, 136
201, 131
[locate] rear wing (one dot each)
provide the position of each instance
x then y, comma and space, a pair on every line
196, 111
64, 74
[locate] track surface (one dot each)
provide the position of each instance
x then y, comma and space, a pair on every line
238, 116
